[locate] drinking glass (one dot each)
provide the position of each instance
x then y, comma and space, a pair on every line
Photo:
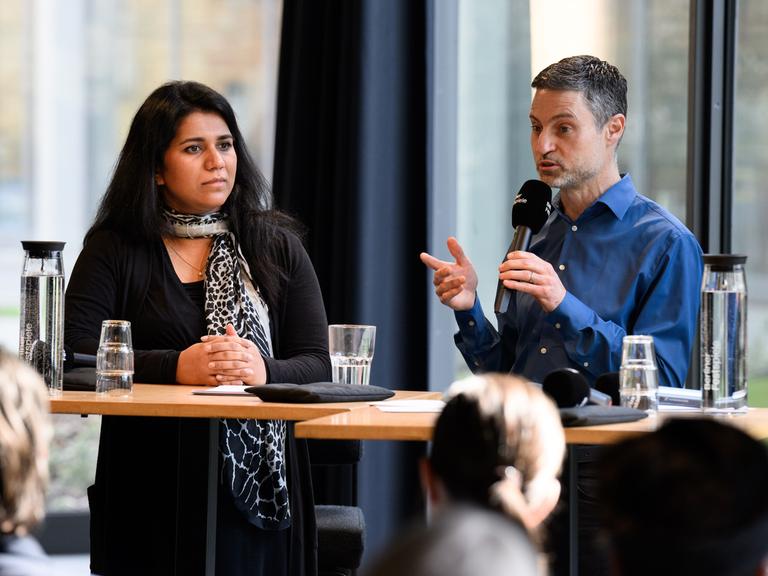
114, 360
638, 375
351, 349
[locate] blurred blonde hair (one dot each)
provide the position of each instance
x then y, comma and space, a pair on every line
500, 442
25, 433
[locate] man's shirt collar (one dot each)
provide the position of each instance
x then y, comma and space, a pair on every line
618, 198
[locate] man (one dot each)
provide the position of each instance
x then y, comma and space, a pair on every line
689, 498
608, 262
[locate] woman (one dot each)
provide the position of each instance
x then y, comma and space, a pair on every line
491, 479
218, 290
498, 443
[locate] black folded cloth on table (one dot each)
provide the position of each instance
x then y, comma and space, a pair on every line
317, 392
81, 379
596, 415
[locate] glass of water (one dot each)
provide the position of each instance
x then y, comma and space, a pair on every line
351, 349
114, 360
638, 375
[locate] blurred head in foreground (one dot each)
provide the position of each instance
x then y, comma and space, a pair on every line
689, 498
463, 541
25, 432
498, 443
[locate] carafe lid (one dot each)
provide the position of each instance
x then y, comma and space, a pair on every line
41, 249
724, 262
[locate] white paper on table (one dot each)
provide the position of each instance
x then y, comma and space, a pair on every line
414, 405
224, 390
677, 408
725, 411
708, 412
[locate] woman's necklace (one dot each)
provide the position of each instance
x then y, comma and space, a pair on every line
200, 271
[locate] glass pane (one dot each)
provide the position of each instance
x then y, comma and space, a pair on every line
13, 120
502, 45
750, 204
72, 461
73, 74
232, 46
494, 155
13, 127
652, 54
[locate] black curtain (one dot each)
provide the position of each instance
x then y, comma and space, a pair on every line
351, 164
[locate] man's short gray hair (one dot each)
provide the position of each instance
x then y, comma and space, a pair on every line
603, 86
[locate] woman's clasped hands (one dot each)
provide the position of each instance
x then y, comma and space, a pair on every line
221, 359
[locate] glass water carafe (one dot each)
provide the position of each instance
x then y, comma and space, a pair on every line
41, 326
723, 331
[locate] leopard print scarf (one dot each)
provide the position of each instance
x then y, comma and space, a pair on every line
252, 451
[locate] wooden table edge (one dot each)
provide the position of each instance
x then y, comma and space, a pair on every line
177, 401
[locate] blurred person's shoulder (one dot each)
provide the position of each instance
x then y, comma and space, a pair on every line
23, 556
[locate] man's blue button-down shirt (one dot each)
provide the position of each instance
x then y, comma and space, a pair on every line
628, 266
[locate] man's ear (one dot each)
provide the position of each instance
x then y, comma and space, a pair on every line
614, 129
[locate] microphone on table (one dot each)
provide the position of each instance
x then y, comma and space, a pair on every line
74, 359
529, 214
569, 388
608, 383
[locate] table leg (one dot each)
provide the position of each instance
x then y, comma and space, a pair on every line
573, 511
213, 497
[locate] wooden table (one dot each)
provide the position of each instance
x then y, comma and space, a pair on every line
175, 401
343, 420
347, 420
370, 423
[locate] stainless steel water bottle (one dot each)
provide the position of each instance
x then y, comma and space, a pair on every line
723, 326
41, 325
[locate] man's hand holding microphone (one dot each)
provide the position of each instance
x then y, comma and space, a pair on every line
456, 282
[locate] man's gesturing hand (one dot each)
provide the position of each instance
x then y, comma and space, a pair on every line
455, 282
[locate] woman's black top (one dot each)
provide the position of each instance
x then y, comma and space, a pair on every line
149, 501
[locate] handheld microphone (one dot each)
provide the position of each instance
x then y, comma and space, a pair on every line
608, 383
529, 214
568, 388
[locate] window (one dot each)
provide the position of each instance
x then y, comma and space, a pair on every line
73, 74
750, 202
502, 44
